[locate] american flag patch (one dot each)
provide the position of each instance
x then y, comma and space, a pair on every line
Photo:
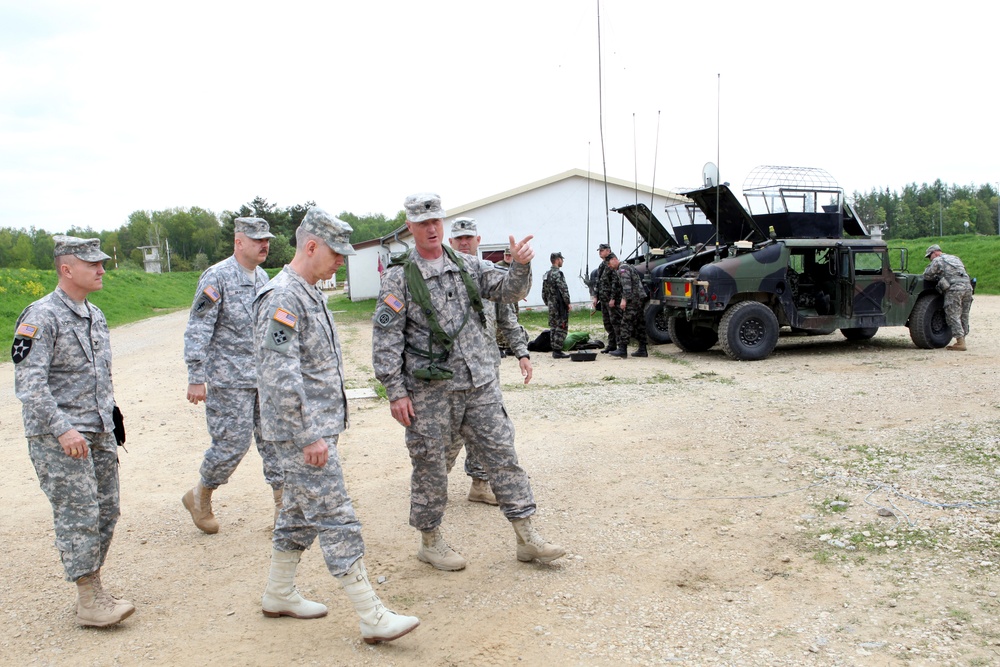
212, 293
284, 317
26, 330
393, 303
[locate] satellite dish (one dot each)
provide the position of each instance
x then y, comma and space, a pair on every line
710, 175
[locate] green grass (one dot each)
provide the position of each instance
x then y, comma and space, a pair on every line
978, 253
128, 296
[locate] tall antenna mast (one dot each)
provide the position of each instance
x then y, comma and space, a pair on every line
600, 108
718, 162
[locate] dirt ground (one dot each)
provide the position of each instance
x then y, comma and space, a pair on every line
835, 504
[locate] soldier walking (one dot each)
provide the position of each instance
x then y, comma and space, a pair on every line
300, 373
952, 281
62, 376
218, 350
555, 295
432, 352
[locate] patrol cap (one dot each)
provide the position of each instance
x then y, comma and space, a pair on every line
603, 246
89, 250
463, 227
255, 228
931, 249
334, 231
508, 251
554, 256
423, 206
611, 256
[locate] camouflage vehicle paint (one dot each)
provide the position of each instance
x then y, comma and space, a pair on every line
745, 290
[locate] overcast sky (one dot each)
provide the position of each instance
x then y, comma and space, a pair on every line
110, 107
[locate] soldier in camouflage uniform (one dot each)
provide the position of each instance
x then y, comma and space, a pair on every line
62, 375
218, 350
609, 290
432, 352
500, 317
300, 373
505, 347
599, 299
631, 297
555, 295
953, 282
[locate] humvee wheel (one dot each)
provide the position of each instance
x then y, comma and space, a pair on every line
748, 331
689, 338
928, 325
657, 325
859, 333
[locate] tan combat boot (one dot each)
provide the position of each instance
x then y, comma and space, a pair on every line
531, 546
378, 624
97, 609
480, 492
435, 551
281, 598
198, 501
277, 493
959, 344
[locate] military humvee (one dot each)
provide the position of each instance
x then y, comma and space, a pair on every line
799, 258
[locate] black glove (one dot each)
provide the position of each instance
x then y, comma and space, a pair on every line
119, 430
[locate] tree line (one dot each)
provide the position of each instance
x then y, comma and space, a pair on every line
196, 237
930, 210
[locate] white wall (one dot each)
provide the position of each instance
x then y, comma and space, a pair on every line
555, 214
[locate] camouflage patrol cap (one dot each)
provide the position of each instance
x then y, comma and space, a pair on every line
554, 256
933, 248
603, 246
254, 228
335, 232
508, 251
423, 206
611, 256
463, 227
89, 250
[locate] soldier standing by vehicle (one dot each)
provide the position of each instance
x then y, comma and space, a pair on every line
62, 375
218, 349
300, 373
555, 295
600, 295
631, 304
953, 282
499, 317
433, 354
609, 291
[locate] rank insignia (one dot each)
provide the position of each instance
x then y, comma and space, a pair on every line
284, 317
393, 302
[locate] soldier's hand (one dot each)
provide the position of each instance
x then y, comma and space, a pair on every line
522, 252
402, 410
622, 304
611, 304
196, 393
73, 444
525, 364
317, 454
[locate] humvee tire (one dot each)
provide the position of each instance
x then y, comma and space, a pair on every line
748, 331
928, 326
691, 339
859, 333
657, 325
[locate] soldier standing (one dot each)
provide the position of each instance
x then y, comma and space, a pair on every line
300, 373
555, 295
952, 281
218, 350
505, 347
433, 354
631, 296
62, 375
600, 294
609, 290
500, 317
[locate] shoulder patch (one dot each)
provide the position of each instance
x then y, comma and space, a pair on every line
285, 317
384, 316
393, 302
212, 293
20, 349
278, 336
26, 330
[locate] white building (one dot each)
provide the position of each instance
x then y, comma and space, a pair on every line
555, 210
